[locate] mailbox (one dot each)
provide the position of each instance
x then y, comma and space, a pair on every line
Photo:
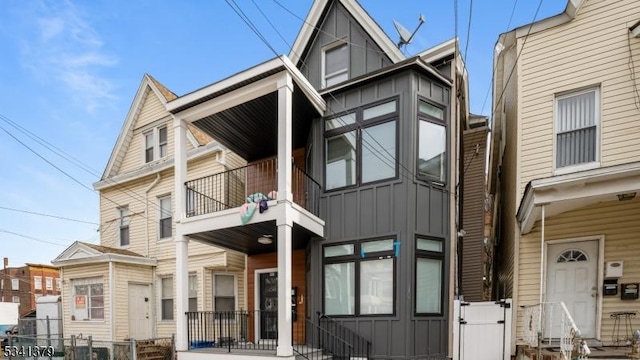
610, 287
629, 291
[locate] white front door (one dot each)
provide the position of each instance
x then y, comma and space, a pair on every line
572, 273
140, 311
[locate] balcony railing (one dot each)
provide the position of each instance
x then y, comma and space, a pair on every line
232, 188
550, 323
236, 330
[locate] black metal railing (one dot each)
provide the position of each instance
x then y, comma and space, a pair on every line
232, 188
314, 338
340, 341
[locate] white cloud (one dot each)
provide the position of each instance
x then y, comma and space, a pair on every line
67, 49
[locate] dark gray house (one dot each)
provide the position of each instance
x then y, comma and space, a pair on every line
344, 200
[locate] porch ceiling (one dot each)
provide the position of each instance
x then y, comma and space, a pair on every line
563, 193
251, 128
245, 238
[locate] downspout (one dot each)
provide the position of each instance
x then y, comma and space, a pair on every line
146, 209
541, 268
112, 281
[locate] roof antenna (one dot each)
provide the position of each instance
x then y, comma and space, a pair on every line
405, 36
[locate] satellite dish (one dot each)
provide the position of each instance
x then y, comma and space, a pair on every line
405, 35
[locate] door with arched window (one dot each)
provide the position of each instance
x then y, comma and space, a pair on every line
572, 274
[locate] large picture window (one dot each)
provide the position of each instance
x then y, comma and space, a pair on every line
577, 119
432, 142
429, 276
359, 278
88, 299
361, 146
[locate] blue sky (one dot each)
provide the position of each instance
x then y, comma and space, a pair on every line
69, 71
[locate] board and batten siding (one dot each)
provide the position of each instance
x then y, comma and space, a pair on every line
125, 274
591, 50
617, 221
98, 329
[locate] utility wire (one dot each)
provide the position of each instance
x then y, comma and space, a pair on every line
493, 71
32, 238
66, 156
466, 47
517, 58
48, 215
389, 162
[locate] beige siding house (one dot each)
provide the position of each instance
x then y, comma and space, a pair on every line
565, 165
125, 287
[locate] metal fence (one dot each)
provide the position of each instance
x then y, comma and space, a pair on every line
22, 347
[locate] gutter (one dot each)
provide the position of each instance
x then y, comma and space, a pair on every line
146, 209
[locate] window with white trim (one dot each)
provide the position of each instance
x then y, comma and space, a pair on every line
58, 284
123, 221
193, 292
165, 221
16, 299
88, 299
224, 292
15, 284
49, 283
37, 282
335, 69
166, 298
155, 144
577, 128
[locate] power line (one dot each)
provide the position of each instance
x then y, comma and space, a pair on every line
48, 215
32, 238
66, 156
466, 47
517, 58
493, 71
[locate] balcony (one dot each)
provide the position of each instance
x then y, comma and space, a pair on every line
234, 188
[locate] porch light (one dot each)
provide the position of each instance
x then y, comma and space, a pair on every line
626, 196
265, 239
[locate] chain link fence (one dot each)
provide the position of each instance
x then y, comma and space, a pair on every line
22, 347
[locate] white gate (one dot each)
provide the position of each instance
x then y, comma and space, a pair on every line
482, 330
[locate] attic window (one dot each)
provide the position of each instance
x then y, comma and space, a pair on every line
335, 64
155, 144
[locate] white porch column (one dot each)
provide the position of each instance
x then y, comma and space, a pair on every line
285, 225
182, 242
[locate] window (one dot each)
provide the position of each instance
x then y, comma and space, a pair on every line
429, 276
572, 255
15, 284
49, 283
16, 299
165, 217
124, 226
155, 144
359, 278
577, 118
361, 146
335, 64
193, 292
37, 282
58, 284
88, 299
432, 142
166, 301
224, 292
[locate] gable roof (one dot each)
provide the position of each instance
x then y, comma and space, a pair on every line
147, 85
80, 253
316, 15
